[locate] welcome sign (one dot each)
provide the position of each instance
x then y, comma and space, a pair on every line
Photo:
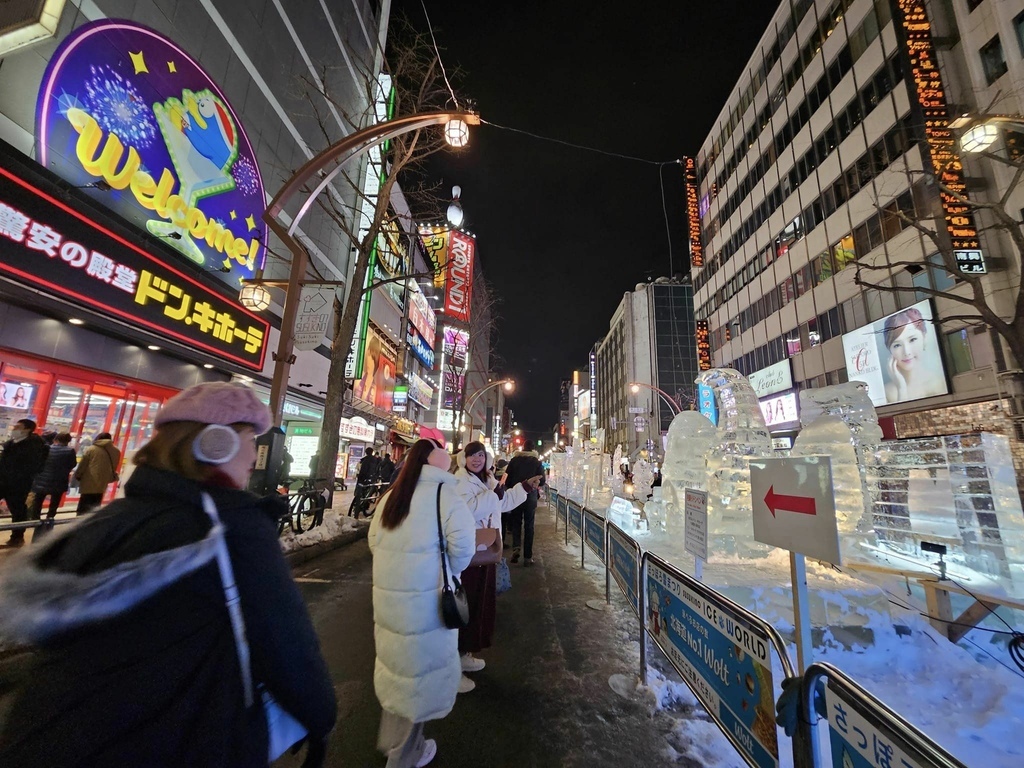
125, 111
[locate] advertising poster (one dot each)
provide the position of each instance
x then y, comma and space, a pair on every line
122, 106
458, 283
725, 662
386, 365
593, 528
376, 384
706, 403
435, 243
898, 356
780, 410
625, 566
15, 395
422, 317
456, 347
451, 390
419, 390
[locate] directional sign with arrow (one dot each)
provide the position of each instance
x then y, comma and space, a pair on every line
794, 505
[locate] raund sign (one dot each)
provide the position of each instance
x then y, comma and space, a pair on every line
125, 111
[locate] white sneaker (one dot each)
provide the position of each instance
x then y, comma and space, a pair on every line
429, 753
466, 685
472, 664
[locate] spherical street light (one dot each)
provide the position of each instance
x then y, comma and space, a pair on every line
509, 385
517, 432
455, 214
634, 388
254, 296
456, 133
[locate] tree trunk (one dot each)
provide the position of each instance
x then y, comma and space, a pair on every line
341, 344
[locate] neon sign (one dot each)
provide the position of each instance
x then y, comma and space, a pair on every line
693, 213
932, 106
125, 111
48, 244
703, 346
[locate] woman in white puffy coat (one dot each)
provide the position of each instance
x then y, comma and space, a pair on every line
417, 672
477, 488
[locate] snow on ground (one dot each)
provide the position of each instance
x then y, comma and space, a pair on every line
336, 522
969, 697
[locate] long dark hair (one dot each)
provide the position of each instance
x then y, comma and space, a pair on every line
400, 496
472, 449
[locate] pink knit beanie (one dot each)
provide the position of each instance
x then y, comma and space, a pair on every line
216, 402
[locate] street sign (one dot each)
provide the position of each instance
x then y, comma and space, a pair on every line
696, 526
637, 409
794, 505
640, 423
315, 307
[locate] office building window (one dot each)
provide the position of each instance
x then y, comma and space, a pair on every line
992, 60
972, 4
959, 346
1018, 26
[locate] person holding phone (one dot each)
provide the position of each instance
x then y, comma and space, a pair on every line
525, 465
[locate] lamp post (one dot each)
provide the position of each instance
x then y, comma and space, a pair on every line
316, 170
508, 385
979, 132
635, 387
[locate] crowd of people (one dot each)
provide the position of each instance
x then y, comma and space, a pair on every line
167, 626
34, 467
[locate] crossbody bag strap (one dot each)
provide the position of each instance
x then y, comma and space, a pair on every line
232, 601
440, 539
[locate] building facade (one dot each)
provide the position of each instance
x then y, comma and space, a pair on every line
139, 145
650, 342
820, 168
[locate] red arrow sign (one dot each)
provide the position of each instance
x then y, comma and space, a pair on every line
803, 505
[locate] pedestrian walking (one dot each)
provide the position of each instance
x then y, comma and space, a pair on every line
386, 469
478, 490
524, 466
23, 457
53, 480
164, 621
366, 476
96, 470
417, 672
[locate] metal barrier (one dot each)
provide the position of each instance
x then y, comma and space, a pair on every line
713, 643
624, 563
593, 536
861, 725
574, 517
36, 524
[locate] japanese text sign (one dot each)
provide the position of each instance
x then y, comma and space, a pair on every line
125, 111
625, 565
458, 283
46, 243
695, 532
722, 657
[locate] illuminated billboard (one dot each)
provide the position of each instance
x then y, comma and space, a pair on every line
897, 356
458, 280
125, 112
693, 213
780, 410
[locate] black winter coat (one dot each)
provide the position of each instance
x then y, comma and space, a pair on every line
21, 461
137, 663
54, 477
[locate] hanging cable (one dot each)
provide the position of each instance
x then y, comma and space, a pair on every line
437, 52
668, 230
577, 146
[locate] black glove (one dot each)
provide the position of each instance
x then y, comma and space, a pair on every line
316, 751
789, 708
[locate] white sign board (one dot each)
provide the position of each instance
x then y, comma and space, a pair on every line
794, 505
314, 316
774, 378
696, 530
637, 409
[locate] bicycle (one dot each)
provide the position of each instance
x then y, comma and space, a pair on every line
305, 507
364, 502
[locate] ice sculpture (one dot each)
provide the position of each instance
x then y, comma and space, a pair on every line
643, 478
742, 435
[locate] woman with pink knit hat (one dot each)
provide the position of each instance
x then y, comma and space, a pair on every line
167, 624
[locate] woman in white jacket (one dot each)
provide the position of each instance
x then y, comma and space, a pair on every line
417, 672
477, 488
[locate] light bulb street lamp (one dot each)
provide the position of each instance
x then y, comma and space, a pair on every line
455, 215
979, 132
507, 384
635, 387
318, 174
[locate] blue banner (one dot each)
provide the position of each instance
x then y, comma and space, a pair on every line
625, 566
575, 519
724, 660
856, 743
706, 402
563, 508
593, 527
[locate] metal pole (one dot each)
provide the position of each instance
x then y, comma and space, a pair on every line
641, 599
801, 611
284, 357
607, 565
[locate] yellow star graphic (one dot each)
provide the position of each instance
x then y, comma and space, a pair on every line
233, 215
250, 221
171, 67
138, 62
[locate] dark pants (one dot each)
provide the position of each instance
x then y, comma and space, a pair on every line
15, 494
87, 502
56, 497
479, 583
522, 517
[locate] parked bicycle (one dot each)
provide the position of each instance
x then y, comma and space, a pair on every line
305, 506
364, 501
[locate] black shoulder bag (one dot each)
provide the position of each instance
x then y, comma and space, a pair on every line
454, 606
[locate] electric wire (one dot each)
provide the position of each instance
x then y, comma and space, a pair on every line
565, 143
437, 53
664, 210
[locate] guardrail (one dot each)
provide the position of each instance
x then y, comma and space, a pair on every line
713, 642
36, 524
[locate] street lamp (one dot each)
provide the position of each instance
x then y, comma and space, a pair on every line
507, 384
635, 386
315, 173
254, 297
455, 214
979, 132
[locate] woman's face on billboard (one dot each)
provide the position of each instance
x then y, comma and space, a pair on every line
907, 348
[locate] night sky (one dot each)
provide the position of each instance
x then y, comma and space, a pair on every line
563, 233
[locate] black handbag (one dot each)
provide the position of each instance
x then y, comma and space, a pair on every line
454, 605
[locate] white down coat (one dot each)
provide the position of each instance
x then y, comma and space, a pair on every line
483, 502
417, 672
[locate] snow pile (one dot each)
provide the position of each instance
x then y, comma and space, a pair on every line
335, 524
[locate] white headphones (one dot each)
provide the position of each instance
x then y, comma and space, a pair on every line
216, 444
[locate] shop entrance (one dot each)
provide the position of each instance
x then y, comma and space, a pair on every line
61, 398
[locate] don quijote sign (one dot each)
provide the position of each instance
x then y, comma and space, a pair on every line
459, 276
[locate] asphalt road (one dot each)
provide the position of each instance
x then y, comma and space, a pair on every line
544, 698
